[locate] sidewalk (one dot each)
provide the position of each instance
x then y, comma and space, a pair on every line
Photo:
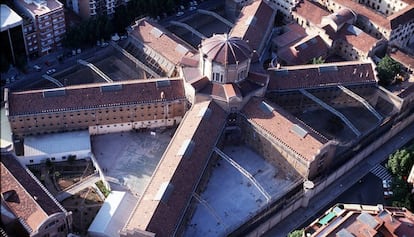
322, 199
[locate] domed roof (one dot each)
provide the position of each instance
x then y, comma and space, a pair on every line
223, 49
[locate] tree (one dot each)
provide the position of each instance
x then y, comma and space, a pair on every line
387, 69
318, 60
401, 161
296, 233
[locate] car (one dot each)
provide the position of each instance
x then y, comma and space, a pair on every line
50, 71
386, 184
180, 13
388, 194
192, 8
37, 67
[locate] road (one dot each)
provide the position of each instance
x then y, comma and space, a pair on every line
321, 200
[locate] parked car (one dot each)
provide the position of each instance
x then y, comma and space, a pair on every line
50, 71
180, 13
192, 8
37, 67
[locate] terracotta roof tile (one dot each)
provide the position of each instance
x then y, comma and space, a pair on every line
162, 41
314, 76
390, 22
403, 58
279, 124
357, 38
312, 11
223, 49
182, 172
293, 34
304, 51
34, 205
253, 22
91, 95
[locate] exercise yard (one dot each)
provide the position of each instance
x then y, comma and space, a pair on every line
129, 158
232, 196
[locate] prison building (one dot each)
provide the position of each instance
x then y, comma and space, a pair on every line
392, 20
162, 207
27, 208
99, 108
157, 48
255, 26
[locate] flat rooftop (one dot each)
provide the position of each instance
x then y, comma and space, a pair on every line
9, 18
230, 198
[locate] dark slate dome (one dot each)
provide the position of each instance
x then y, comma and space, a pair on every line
225, 50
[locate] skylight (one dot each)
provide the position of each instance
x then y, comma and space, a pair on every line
298, 130
164, 192
156, 32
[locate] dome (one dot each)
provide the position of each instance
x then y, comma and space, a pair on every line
225, 50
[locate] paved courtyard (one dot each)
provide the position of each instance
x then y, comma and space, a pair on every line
129, 158
238, 188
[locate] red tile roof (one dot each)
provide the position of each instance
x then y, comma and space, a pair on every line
304, 51
279, 124
34, 205
390, 22
314, 76
253, 21
221, 48
403, 58
162, 41
312, 11
91, 95
293, 34
357, 38
181, 172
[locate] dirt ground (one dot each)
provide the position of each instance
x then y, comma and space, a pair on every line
84, 206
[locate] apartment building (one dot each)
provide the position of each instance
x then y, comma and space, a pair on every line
362, 220
90, 8
11, 35
47, 27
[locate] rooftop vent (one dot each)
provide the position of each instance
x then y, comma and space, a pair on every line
367, 219
54, 93
157, 33
163, 83
251, 20
181, 49
282, 72
265, 107
111, 88
204, 112
164, 192
344, 233
332, 68
354, 30
299, 130
186, 148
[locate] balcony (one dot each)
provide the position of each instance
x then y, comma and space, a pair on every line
59, 26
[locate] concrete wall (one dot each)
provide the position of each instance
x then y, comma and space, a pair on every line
319, 187
262, 143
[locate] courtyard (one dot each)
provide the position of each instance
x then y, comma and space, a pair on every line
128, 159
239, 187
